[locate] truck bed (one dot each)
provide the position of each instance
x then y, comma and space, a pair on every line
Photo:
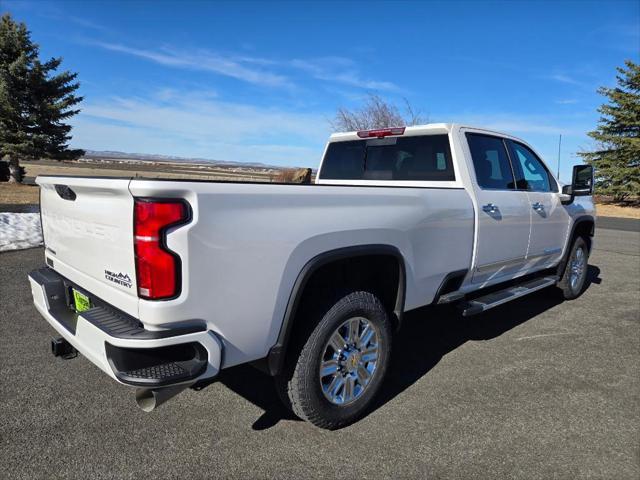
248, 241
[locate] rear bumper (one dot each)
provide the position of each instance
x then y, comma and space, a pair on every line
120, 346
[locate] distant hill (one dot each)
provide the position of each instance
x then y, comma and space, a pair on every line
150, 157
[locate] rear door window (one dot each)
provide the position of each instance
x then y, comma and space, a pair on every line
491, 162
424, 157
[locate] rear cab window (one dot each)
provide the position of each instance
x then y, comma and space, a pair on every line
411, 158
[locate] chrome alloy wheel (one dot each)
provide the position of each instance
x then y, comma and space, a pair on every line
578, 268
349, 361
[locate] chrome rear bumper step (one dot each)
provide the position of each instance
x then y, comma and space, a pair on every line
481, 304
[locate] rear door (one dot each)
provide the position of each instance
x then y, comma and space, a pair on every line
503, 213
549, 219
87, 225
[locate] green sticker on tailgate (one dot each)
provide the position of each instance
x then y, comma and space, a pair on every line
81, 301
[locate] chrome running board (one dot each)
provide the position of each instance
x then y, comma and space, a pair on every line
490, 300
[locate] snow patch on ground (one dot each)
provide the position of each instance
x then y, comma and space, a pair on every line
19, 230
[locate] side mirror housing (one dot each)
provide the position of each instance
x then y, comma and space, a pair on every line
582, 182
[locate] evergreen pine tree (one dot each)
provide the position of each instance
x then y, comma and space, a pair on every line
34, 100
617, 157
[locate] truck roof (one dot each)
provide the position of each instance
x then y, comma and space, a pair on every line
429, 128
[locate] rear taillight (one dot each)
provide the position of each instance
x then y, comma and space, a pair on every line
157, 267
381, 132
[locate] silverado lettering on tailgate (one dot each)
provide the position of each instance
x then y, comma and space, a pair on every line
60, 225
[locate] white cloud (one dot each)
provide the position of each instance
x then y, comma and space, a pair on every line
340, 70
562, 78
54, 12
204, 60
170, 94
566, 101
256, 70
84, 22
200, 126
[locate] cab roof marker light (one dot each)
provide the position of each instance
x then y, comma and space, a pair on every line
381, 132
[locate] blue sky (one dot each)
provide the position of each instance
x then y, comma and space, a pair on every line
259, 81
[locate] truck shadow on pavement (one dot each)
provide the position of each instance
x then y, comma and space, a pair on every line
427, 335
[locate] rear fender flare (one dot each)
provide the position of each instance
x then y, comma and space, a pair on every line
277, 353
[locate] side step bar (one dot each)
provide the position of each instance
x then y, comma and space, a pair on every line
481, 304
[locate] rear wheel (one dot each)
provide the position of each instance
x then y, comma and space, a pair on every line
575, 273
341, 365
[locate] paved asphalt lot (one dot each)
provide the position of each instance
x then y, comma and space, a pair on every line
614, 223
533, 389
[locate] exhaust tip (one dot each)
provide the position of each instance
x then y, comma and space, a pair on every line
148, 399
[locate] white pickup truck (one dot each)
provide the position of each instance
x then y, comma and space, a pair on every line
163, 283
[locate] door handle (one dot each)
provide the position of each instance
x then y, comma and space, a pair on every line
489, 208
537, 206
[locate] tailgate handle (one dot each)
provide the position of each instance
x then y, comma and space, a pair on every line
65, 192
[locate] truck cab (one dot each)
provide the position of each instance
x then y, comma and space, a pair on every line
522, 217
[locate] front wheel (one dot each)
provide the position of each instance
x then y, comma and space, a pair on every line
342, 364
575, 273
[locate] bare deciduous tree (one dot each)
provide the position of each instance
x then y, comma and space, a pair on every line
375, 113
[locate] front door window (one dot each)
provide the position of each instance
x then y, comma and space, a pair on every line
531, 174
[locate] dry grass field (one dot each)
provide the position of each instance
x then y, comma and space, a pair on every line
12, 194
612, 210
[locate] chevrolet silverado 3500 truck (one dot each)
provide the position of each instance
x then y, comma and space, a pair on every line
163, 283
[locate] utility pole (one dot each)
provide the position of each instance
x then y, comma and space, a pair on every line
559, 144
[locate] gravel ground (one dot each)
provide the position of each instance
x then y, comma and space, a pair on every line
535, 389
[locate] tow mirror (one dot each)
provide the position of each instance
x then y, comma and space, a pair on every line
581, 183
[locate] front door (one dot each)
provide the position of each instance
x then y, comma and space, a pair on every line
549, 219
503, 213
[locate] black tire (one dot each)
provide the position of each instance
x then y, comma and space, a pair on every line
300, 384
569, 289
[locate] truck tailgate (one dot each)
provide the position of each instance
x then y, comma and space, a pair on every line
87, 225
